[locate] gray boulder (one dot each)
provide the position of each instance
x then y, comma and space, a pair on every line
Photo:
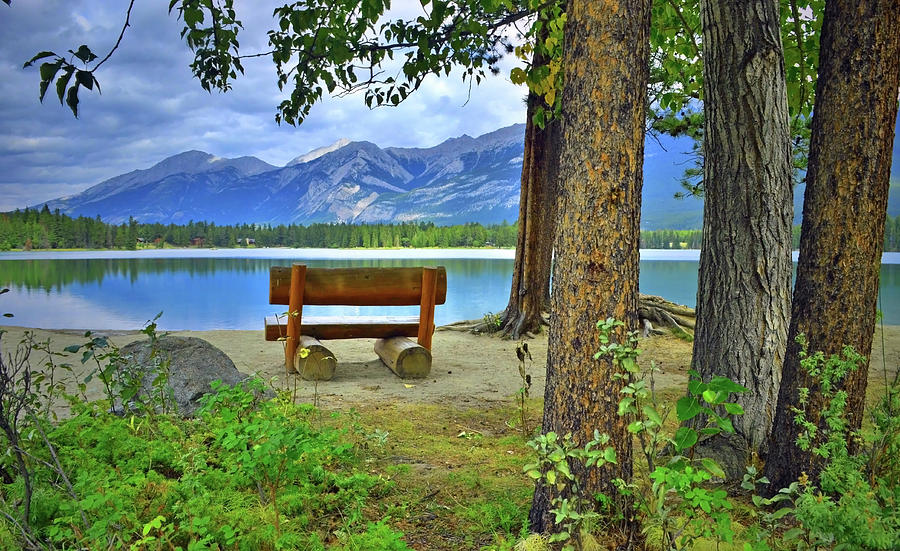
193, 365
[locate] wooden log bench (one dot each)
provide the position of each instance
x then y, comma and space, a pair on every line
298, 286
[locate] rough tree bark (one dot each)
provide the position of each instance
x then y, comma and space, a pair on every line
743, 296
843, 212
595, 271
529, 294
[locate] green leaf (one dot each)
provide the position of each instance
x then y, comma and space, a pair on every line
696, 387
551, 477
687, 408
713, 467
781, 513
685, 437
41, 55
725, 424
72, 348
624, 405
43, 88
62, 82
48, 71
635, 427
733, 409
84, 54
85, 78
724, 384
652, 415
710, 396
517, 75
609, 455
72, 100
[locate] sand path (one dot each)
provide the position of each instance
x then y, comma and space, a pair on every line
473, 370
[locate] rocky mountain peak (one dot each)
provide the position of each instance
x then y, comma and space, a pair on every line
318, 152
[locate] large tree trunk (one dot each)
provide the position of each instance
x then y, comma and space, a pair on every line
530, 292
843, 212
595, 272
743, 296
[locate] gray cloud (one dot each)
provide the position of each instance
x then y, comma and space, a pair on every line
152, 108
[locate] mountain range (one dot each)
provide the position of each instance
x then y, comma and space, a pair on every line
461, 180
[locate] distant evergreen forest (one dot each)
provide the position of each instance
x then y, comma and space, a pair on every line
41, 229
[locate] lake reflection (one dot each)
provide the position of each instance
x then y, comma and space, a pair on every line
223, 290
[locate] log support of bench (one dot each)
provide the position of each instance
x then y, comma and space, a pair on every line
405, 358
295, 311
319, 363
426, 310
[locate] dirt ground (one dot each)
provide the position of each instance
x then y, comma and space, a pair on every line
467, 370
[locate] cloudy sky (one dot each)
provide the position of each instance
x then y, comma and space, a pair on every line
152, 108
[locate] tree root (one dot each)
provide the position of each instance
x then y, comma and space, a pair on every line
680, 319
653, 310
464, 326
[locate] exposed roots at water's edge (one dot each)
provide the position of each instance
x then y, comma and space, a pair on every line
655, 312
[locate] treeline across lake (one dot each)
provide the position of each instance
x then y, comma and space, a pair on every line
42, 229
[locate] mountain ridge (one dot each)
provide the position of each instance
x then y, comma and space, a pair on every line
462, 179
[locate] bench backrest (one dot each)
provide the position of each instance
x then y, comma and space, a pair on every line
356, 286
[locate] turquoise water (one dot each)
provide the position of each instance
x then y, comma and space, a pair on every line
225, 289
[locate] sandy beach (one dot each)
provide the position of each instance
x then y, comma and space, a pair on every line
467, 370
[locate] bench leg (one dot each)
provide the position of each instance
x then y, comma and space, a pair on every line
426, 309
405, 358
295, 311
319, 363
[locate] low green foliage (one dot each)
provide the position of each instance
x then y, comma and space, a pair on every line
492, 322
252, 477
680, 507
573, 510
857, 502
123, 380
245, 474
377, 537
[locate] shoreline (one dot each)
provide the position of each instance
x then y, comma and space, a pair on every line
265, 253
402, 253
125, 331
467, 370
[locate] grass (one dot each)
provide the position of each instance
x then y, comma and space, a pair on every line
456, 473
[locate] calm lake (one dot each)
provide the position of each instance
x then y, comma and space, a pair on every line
228, 289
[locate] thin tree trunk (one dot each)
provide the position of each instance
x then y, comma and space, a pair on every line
843, 212
595, 271
743, 296
530, 291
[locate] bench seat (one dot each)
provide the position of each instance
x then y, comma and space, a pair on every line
342, 327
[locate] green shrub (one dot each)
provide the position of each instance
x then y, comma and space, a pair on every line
246, 474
